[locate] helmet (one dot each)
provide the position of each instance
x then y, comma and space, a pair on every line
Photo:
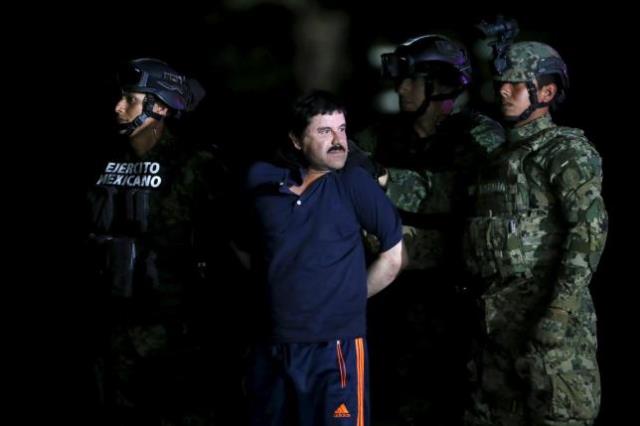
156, 78
428, 55
147, 75
528, 59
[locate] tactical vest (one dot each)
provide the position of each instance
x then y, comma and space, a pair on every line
140, 220
517, 227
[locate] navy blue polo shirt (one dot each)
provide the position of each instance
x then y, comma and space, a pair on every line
312, 256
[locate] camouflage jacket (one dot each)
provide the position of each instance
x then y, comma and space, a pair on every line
539, 213
152, 218
428, 178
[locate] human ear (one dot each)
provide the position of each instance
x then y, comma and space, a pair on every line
295, 141
548, 92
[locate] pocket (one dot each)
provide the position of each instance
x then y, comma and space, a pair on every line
479, 257
505, 309
506, 242
121, 256
137, 205
495, 244
102, 204
559, 393
575, 395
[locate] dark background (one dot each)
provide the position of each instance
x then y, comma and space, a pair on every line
245, 54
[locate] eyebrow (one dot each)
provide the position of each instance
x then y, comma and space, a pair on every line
321, 129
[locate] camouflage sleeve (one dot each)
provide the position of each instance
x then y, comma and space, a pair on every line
576, 175
407, 189
487, 134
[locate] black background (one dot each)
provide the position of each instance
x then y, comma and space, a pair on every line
74, 87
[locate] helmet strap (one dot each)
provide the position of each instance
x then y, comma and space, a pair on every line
147, 112
428, 98
446, 96
534, 104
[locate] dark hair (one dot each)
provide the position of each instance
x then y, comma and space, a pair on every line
312, 104
545, 80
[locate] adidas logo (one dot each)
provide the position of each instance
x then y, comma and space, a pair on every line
341, 411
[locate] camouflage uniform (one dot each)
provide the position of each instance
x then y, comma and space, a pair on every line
536, 237
152, 224
428, 183
428, 177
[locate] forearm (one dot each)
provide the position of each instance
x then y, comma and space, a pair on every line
582, 246
577, 179
576, 176
385, 268
407, 189
582, 250
578, 264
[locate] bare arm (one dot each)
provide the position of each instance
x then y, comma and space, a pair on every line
385, 268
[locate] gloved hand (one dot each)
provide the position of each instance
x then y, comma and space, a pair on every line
552, 327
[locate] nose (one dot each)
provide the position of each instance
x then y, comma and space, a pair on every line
335, 139
121, 106
404, 86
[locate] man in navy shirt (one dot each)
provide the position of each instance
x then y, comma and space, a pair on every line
310, 369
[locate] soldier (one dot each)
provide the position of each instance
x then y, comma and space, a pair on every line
429, 152
535, 239
151, 235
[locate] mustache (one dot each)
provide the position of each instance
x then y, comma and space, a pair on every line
336, 148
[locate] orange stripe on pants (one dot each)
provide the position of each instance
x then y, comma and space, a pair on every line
360, 372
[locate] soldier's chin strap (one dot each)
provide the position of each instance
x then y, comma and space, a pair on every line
534, 104
428, 98
147, 112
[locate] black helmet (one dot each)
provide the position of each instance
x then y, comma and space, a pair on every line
154, 77
147, 75
428, 55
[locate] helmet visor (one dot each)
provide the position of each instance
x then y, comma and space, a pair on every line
395, 66
130, 77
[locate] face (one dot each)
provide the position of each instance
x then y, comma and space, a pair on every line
443, 107
324, 142
130, 106
411, 93
514, 98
